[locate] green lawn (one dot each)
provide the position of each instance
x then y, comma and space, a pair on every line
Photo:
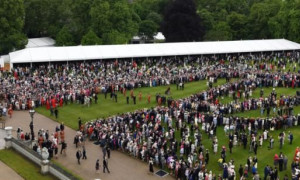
23, 166
256, 113
267, 91
289, 66
106, 107
240, 154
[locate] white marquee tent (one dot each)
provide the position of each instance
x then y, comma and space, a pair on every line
77, 53
40, 42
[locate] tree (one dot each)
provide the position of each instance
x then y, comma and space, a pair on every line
181, 23
148, 28
11, 24
91, 38
279, 24
237, 23
36, 18
81, 18
260, 14
155, 17
208, 19
100, 17
114, 37
220, 32
294, 25
64, 37
113, 17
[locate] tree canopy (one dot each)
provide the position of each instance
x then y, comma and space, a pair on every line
11, 25
181, 22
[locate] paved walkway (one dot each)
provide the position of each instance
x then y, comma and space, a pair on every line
122, 166
7, 173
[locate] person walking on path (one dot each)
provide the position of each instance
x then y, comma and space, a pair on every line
83, 153
78, 156
97, 166
105, 165
151, 166
104, 151
108, 151
63, 147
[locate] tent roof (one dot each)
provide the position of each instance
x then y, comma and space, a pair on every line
40, 42
74, 53
159, 36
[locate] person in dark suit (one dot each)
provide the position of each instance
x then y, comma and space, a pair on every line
78, 156
105, 165
83, 153
56, 113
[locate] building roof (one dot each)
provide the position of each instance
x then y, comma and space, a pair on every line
77, 53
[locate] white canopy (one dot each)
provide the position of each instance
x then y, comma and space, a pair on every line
40, 42
74, 53
159, 36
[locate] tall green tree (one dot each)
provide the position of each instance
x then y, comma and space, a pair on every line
155, 17
181, 23
36, 18
113, 17
64, 37
100, 17
260, 14
91, 38
237, 23
114, 37
147, 29
11, 25
294, 25
81, 19
220, 32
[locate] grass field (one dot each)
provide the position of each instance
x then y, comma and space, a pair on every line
106, 107
22, 166
240, 155
256, 113
289, 66
267, 91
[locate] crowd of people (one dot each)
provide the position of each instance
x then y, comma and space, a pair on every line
79, 82
150, 134
53, 141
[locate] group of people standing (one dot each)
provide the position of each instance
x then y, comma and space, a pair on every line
150, 134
